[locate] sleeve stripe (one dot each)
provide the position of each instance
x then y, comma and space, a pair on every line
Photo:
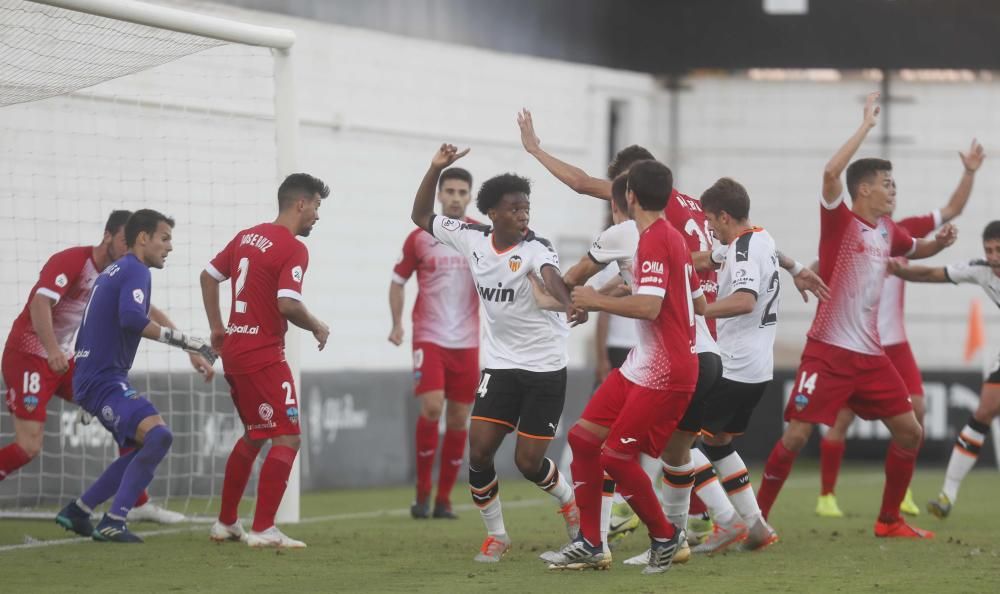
654, 291
214, 272
831, 205
948, 276
697, 293
290, 294
913, 248
938, 218
399, 280
48, 293
593, 259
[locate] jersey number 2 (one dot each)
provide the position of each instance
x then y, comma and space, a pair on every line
771, 318
241, 281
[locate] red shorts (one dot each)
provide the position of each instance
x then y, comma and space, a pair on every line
266, 401
902, 359
31, 384
456, 371
640, 419
831, 378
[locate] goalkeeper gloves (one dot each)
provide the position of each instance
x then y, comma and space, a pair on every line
191, 344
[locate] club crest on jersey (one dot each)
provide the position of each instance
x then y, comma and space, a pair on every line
293, 415
515, 263
138, 296
450, 224
265, 411
30, 403
297, 274
61, 281
652, 267
496, 295
108, 414
801, 401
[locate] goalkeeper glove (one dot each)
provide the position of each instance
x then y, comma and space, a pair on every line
191, 344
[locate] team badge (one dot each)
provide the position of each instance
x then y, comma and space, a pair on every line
450, 224
61, 281
801, 401
297, 274
30, 403
514, 263
293, 415
108, 413
265, 411
138, 296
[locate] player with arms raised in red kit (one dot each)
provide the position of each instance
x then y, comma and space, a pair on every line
267, 265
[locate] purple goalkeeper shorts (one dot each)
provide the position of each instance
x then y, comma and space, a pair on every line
119, 407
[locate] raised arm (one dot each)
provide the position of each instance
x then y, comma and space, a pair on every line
832, 186
574, 177
423, 202
971, 161
918, 274
925, 248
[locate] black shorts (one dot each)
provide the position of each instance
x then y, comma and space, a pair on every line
709, 374
529, 401
730, 405
617, 356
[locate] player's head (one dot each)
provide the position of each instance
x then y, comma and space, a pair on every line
149, 234
619, 204
649, 186
504, 199
454, 192
871, 180
299, 199
991, 244
727, 208
625, 158
113, 241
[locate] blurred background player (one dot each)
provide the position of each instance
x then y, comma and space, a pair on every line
267, 265
445, 343
892, 333
984, 272
38, 357
523, 384
843, 363
115, 319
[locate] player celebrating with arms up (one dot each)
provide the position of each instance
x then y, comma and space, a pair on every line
523, 385
267, 265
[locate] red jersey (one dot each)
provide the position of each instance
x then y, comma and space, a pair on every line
446, 312
686, 215
853, 256
664, 358
67, 278
890, 310
264, 262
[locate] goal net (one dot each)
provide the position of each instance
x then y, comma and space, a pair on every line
98, 114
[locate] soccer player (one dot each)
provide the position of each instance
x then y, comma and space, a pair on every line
445, 343
984, 272
523, 384
893, 336
843, 363
638, 406
267, 265
38, 356
114, 320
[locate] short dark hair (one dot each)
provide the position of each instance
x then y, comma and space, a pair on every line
455, 173
861, 170
626, 158
494, 189
144, 219
729, 196
116, 220
300, 183
992, 231
619, 187
652, 182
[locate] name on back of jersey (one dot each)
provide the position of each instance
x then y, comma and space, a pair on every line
256, 240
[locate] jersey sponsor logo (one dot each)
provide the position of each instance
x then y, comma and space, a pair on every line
297, 274
709, 286
496, 294
648, 266
113, 269
265, 412
82, 354
61, 281
243, 329
514, 263
256, 240
651, 280
450, 224
138, 296
627, 440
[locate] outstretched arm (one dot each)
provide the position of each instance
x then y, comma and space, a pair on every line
971, 161
557, 288
925, 248
918, 274
199, 362
832, 186
641, 307
805, 278
423, 202
581, 272
574, 177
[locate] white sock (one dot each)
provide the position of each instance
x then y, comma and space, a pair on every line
736, 482
963, 458
606, 503
675, 492
711, 491
493, 518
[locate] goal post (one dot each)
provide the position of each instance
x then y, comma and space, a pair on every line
64, 73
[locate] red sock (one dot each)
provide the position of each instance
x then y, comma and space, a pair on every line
452, 451
12, 457
633, 480
697, 506
830, 455
238, 469
271, 485
588, 478
777, 469
899, 465
427, 443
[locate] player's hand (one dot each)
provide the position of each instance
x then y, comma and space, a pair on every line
58, 362
603, 368
872, 109
576, 316
446, 155
216, 338
529, 139
585, 298
807, 281
973, 159
396, 335
946, 235
896, 266
321, 333
202, 366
